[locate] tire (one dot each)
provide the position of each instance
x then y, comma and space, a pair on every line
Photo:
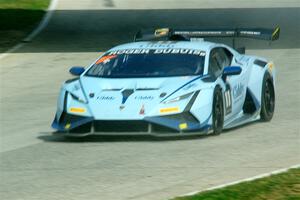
267, 99
217, 112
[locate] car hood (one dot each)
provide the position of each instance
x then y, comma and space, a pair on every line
135, 98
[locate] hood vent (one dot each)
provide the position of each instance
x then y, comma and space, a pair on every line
112, 89
146, 89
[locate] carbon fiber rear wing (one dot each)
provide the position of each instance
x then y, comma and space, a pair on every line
185, 34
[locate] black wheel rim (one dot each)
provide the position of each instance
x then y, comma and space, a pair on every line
269, 98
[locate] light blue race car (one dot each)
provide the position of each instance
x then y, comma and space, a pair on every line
169, 82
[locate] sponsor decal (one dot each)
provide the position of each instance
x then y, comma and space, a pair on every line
179, 51
143, 97
105, 98
250, 33
238, 90
169, 110
92, 95
77, 110
122, 107
183, 126
158, 51
163, 44
270, 66
142, 111
129, 51
197, 33
162, 95
105, 59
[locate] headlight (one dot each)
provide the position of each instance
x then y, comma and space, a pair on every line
77, 98
76, 92
185, 96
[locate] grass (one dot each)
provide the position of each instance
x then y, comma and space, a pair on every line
284, 186
18, 19
24, 4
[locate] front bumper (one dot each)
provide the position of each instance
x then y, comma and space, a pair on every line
178, 124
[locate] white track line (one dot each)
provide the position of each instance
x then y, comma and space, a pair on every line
36, 31
243, 180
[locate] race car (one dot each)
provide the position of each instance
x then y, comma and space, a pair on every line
169, 82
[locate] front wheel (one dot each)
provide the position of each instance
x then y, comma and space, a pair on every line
217, 112
267, 99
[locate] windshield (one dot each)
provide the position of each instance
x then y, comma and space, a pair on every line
149, 63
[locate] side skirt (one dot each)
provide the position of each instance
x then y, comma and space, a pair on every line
243, 119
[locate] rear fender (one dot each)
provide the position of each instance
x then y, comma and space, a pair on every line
259, 68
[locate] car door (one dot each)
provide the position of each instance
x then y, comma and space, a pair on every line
220, 58
236, 83
217, 62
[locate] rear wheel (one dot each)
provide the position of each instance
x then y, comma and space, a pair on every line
217, 112
267, 99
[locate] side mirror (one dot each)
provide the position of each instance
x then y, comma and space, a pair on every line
232, 70
76, 71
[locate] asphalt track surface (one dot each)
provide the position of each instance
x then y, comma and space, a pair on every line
37, 165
